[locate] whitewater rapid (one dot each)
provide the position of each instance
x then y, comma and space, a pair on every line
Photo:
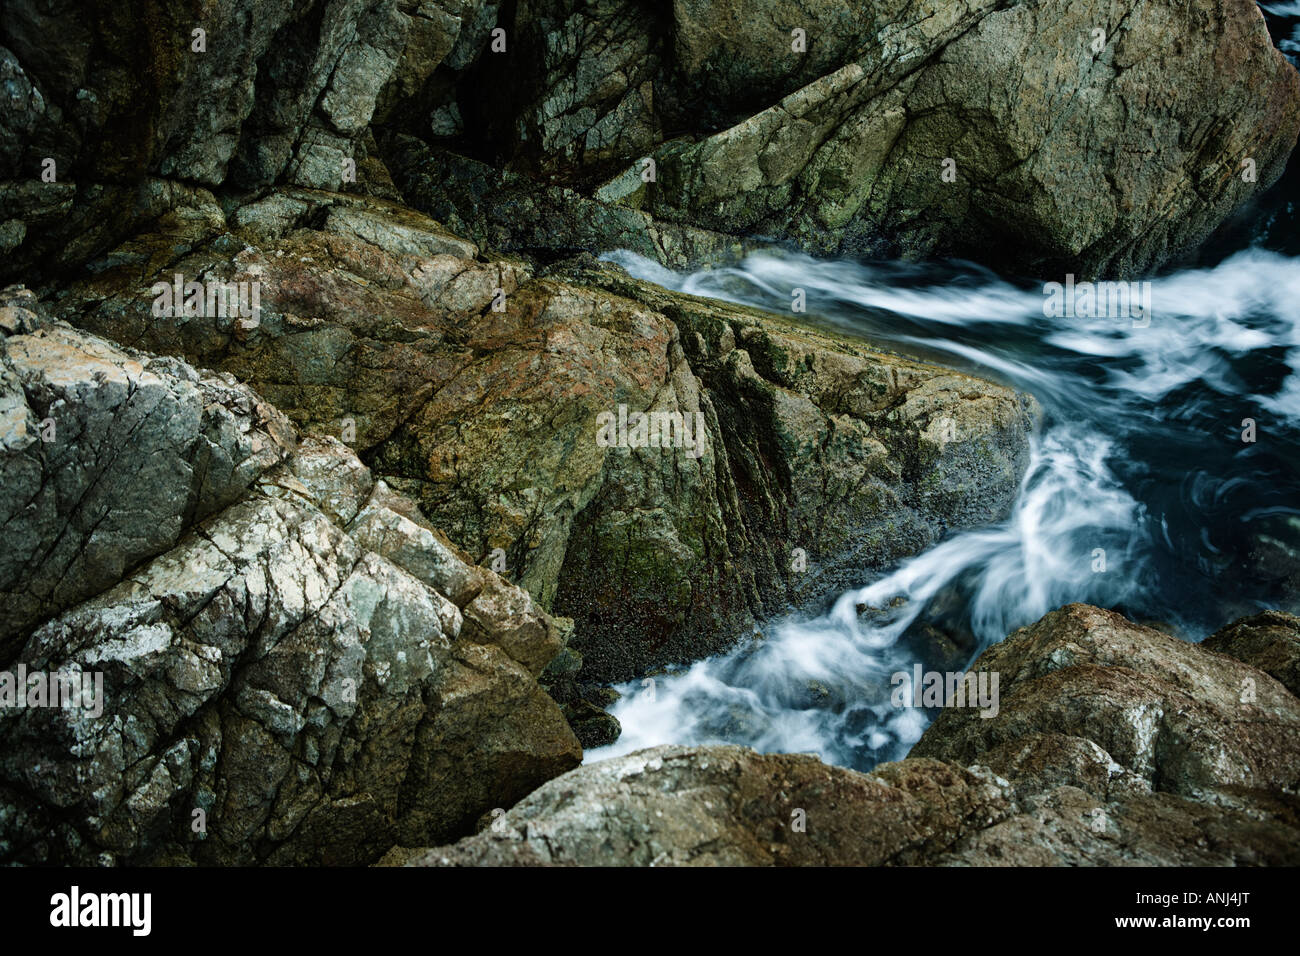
1140, 493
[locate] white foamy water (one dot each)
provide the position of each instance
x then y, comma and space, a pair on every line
1139, 468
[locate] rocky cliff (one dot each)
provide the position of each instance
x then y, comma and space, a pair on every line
296, 667
1040, 136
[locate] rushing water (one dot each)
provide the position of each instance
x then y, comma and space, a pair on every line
1141, 455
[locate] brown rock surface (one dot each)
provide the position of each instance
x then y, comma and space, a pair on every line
1114, 745
375, 319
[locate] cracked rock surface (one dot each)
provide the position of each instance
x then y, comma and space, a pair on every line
1037, 136
109, 456
312, 670
1040, 137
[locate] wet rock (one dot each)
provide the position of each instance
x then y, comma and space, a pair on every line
593, 726
476, 387
277, 88
840, 457
582, 702
1273, 559
732, 59
887, 129
1185, 721
1269, 642
728, 806
705, 806
1053, 779
1040, 762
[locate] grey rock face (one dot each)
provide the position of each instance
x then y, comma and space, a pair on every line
1041, 169
307, 675
317, 92
891, 128
732, 58
280, 91
109, 456
285, 82
1041, 136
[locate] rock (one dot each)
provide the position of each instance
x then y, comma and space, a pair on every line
1114, 745
729, 806
582, 703
853, 163
316, 699
593, 726
431, 34
590, 99
1269, 642
375, 320
838, 455
732, 58
896, 128
1272, 559
513, 213
1184, 721
64, 225
1068, 827
287, 85
306, 121
109, 457
892, 128
270, 92
1039, 762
